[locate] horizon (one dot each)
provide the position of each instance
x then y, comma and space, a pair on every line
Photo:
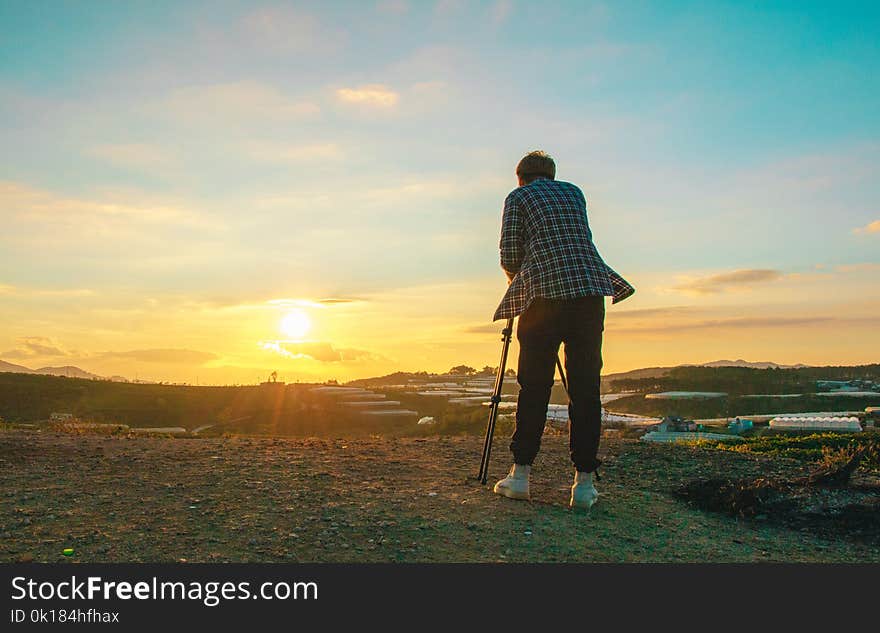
211, 192
722, 362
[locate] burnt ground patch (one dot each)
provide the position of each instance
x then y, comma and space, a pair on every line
850, 511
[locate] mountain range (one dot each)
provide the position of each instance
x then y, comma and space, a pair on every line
67, 370
654, 372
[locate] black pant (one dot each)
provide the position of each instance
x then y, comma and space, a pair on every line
542, 327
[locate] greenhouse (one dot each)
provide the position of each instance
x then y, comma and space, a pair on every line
803, 423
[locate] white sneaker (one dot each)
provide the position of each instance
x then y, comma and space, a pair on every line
516, 484
583, 492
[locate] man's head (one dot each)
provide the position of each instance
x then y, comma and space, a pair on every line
534, 165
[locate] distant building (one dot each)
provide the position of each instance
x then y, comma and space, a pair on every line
674, 423
676, 429
738, 425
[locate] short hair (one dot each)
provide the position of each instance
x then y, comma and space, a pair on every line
536, 164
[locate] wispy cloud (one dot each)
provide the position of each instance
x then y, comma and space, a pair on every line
235, 103
313, 303
501, 11
858, 268
316, 350
650, 313
393, 7
286, 153
162, 356
340, 300
743, 323
724, 281
871, 227
37, 216
374, 95
23, 291
448, 8
35, 346
134, 155
289, 29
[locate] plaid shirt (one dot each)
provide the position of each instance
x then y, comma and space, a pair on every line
547, 248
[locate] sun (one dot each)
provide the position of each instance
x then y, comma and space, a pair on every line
295, 324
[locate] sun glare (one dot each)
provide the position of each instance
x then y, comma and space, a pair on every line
295, 324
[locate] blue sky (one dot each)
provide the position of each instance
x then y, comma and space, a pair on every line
162, 160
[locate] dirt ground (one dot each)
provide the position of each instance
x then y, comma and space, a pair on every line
116, 499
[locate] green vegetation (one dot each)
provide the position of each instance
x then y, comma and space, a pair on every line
273, 410
744, 380
293, 410
403, 377
730, 406
811, 447
30, 397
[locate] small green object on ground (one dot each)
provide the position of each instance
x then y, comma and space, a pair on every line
68, 551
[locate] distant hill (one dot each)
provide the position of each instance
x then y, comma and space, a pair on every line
69, 371
647, 372
657, 372
400, 377
12, 367
755, 365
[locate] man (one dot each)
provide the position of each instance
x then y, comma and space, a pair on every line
558, 285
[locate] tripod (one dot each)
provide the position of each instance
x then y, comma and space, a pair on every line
494, 403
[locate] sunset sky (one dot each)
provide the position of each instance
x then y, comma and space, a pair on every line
212, 191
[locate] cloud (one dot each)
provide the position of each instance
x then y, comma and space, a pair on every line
285, 153
871, 227
448, 8
501, 11
394, 7
31, 346
44, 218
236, 103
375, 95
291, 30
313, 303
136, 155
857, 268
18, 291
724, 281
650, 313
742, 323
167, 356
812, 174
338, 300
316, 350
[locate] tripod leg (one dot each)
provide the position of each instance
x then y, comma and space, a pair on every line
562, 375
496, 400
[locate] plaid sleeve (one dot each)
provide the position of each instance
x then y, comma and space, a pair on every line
511, 236
622, 288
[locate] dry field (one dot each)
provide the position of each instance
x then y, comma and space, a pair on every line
242, 499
